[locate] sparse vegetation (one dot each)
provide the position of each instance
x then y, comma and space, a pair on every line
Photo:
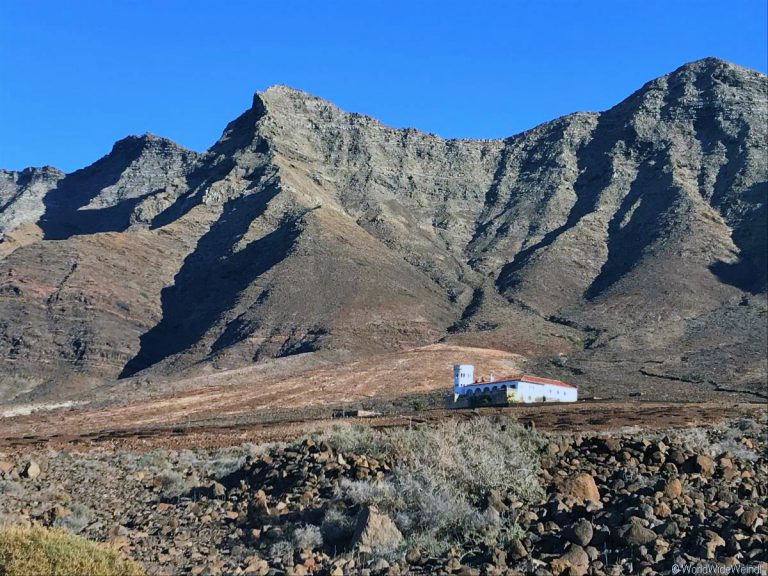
345, 437
43, 552
337, 527
281, 549
172, 484
307, 537
78, 518
443, 475
449, 495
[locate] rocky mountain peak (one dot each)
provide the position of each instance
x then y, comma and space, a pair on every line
307, 228
134, 146
281, 97
284, 104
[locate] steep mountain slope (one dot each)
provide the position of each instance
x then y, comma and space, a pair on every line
626, 245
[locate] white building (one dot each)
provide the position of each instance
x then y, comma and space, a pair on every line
516, 388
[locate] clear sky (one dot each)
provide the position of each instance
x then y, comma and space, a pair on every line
80, 74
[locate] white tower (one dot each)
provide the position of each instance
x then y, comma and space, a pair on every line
463, 375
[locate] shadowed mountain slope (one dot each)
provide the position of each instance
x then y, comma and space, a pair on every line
624, 245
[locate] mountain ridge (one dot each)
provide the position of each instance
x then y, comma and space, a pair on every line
305, 228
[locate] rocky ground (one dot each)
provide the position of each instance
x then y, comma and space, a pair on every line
626, 502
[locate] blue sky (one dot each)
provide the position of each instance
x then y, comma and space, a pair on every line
78, 75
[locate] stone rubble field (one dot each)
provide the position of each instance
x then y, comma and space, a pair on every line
485, 496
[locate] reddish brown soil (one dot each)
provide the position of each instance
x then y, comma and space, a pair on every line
283, 401
580, 417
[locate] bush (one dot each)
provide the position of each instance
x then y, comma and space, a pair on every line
223, 466
172, 484
382, 494
78, 518
347, 438
443, 475
43, 552
11, 488
156, 460
307, 538
282, 549
714, 442
337, 527
474, 457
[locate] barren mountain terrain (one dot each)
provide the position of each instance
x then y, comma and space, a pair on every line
623, 250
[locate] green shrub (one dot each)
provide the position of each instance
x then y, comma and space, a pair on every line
43, 552
420, 404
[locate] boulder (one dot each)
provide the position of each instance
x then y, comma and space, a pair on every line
662, 510
676, 457
517, 550
581, 487
575, 562
635, 534
704, 465
673, 488
495, 501
581, 532
258, 507
708, 542
750, 519
375, 531
31, 470
612, 445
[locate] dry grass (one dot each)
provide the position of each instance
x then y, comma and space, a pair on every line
43, 552
442, 476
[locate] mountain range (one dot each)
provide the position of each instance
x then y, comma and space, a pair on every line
626, 247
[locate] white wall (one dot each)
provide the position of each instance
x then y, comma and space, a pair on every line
530, 392
526, 391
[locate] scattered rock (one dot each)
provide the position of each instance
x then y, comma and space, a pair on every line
31, 470
375, 531
581, 532
635, 534
575, 561
582, 487
673, 489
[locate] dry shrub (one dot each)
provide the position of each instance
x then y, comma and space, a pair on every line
473, 457
42, 552
350, 439
337, 527
77, 520
172, 484
307, 537
442, 476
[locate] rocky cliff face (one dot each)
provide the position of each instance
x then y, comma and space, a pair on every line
629, 244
